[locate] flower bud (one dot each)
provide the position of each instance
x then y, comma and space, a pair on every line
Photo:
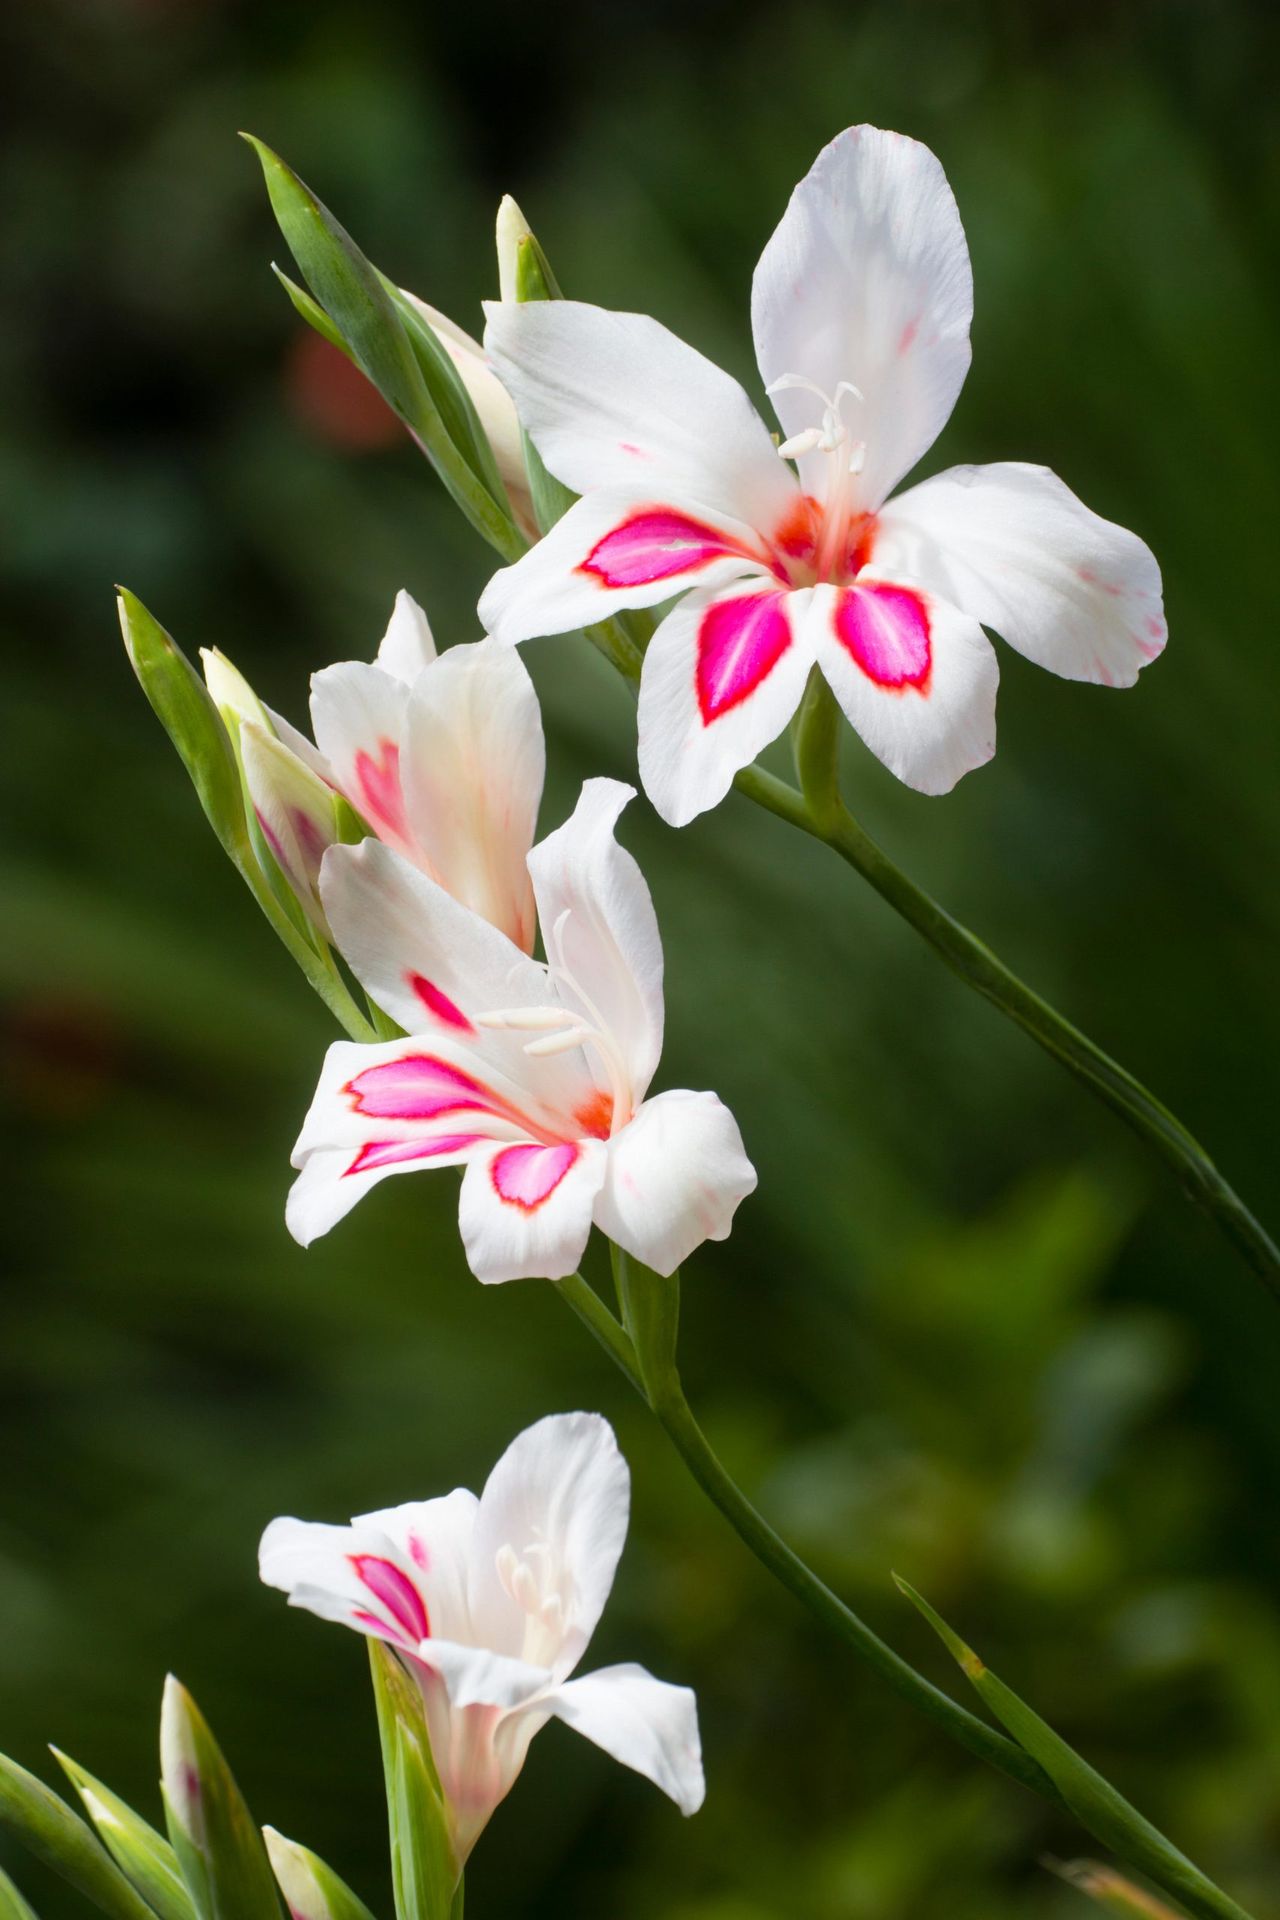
295, 811
494, 407
512, 229
180, 1760
291, 1865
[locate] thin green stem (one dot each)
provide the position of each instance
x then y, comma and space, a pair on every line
979, 968
669, 1404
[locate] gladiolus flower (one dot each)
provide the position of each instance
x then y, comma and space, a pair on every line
441, 755
860, 308
490, 1604
533, 1078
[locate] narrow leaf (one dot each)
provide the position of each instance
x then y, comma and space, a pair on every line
47, 1828
147, 1860
1094, 1801
12, 1904
311, 311
312, 1890
218, 1845
423, 1870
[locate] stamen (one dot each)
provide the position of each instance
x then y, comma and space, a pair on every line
558, 1043
799, 443
524, 1019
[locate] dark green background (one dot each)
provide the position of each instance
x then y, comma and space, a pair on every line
965, 1329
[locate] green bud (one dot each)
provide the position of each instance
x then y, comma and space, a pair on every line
394, 348
189, 716
218, 1846
424, 1867
312, 1890
47, 1828
146, 1860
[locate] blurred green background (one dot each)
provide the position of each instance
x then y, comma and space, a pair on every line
965, 1329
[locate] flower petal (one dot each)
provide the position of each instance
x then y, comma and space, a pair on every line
722, 677
616, 548
295, 810
601, 934
421, 1101
647, 1724
433, 1537
1016, 549
407, 646
357, 712
354, 1575
525, 1208
916, 678
560, 1496
615, 400
867, 279
473, 773
477, 1677
676, 1176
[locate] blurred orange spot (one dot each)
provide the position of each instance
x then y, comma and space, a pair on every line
334, 400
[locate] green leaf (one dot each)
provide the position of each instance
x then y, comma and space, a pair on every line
218, 1846
47, 1828
445, 385
355, 297
312, 1890
1094, 1801
424, 1872
12, 1904
311, 311
147, 1860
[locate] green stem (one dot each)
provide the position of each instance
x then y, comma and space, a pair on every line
979, 968
666, 1398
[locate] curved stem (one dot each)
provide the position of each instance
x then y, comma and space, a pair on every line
979, 968
666, 1398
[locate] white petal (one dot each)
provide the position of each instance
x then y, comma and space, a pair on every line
428, 960
406, 1106
1015, 548
493, 404
407, 646
722, 677
601, 933
560, 1496
867, 279
434, 1538
676, 1176
616, 548
648, 1725
298, 743
473, 773
357, 712
525, 1209
925, 701
478, 1677
354, 1575
615, 400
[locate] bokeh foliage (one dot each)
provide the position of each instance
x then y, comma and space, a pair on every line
964, 1329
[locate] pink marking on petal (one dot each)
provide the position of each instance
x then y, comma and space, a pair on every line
418, 1551
418, 1087
310, 839
272, 840
655, 544
1105, 675
396, 1153
439, 1003
907, 338
886, 630
378, 781
1155, 627
394, 1590
740, 642
639, 453
525, 1176
372, 1622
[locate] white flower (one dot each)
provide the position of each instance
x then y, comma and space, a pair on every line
442, 756
491, 1603
534, 1078
860, 308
